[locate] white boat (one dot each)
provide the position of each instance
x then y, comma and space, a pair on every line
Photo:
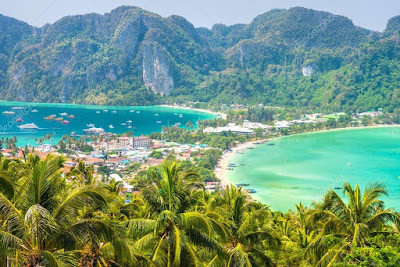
138, 112
131, 111
90, 125
123, 124
97, 112
156, 114
34, 111
17, 108
180, 115
28, 126
94, 130
129, 121
129, 126
105, 110
114, 111
64, 114
175, 113
158, 121
110, 126
8, 112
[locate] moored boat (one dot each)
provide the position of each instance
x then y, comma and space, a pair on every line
8, 112
65, 122
28, 126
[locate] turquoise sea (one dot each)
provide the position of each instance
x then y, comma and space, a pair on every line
145, 119
301, 168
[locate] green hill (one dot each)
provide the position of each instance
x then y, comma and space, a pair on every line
295, 57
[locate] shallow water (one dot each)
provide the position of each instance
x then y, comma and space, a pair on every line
144, 122
301, 168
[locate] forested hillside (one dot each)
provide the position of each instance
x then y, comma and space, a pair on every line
295, 57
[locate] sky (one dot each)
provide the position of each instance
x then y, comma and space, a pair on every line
370, 14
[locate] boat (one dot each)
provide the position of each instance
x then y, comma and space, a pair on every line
71, 116
229, 169
65, 122
177, 124
129, 126
338, 188
97, 112
180, 116
105, 110
110, 126
232, 165
251, 191
51, 117
28, 126
114, 111
91, 125
123, 124
8, 112
59, 119
138, 112
241, 185
17, 108
175, 113
156, 114
94, 130
270, 144
64, 114
34, 110
131, 111
19, 120
158, 121
129, 121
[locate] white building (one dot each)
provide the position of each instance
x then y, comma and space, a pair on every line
231, 127
281, 125
141, 141
255, 125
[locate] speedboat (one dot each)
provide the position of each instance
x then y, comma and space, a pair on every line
59, 119
19, 120
65, 122
29, 126
90, 125
123, 124
129, 121
51, 117
34, 110
97, 112
71, 117
138, 112
158, 121
64, 114
175, 113
17, 108
114, 111
131, 111
180, 116
105, 110
110, 126
156, 114
8, 112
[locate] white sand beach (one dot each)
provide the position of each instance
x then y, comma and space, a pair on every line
220, 114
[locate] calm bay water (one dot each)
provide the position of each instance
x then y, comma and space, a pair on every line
143, 119
301, 168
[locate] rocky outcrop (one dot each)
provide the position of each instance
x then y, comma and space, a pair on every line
156, 71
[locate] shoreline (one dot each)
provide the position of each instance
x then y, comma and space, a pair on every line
220, 171
220, 114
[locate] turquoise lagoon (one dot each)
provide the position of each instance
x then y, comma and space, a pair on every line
145, 119
301, 168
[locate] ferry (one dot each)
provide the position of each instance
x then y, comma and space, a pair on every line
65, 122
8, 112
17, 108
64, 114
34, 110
91, 125
19, 120
94, 130
71, 116
110, 126
29, 126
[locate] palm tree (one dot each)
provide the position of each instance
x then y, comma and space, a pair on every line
250, 232
83, 174
41, 222
172, 233
347, 226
